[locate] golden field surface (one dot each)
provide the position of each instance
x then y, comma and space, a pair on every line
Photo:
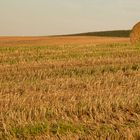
69, 88
58, 40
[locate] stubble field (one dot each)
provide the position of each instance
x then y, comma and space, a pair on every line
69, 88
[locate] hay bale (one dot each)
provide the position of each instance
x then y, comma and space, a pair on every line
135, 34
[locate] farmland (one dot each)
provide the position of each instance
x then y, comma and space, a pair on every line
74, 87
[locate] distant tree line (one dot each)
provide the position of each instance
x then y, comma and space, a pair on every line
115, 33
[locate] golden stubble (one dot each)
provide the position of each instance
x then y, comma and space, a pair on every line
70, 91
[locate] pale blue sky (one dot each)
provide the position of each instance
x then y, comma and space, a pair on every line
48, 17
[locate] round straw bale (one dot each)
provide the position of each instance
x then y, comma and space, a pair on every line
135, 34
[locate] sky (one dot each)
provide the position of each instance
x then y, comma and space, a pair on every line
51, 17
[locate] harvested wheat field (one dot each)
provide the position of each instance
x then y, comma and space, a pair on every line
69, 88
59, 40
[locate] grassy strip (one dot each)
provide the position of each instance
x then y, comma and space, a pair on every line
63, 128
57, 128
